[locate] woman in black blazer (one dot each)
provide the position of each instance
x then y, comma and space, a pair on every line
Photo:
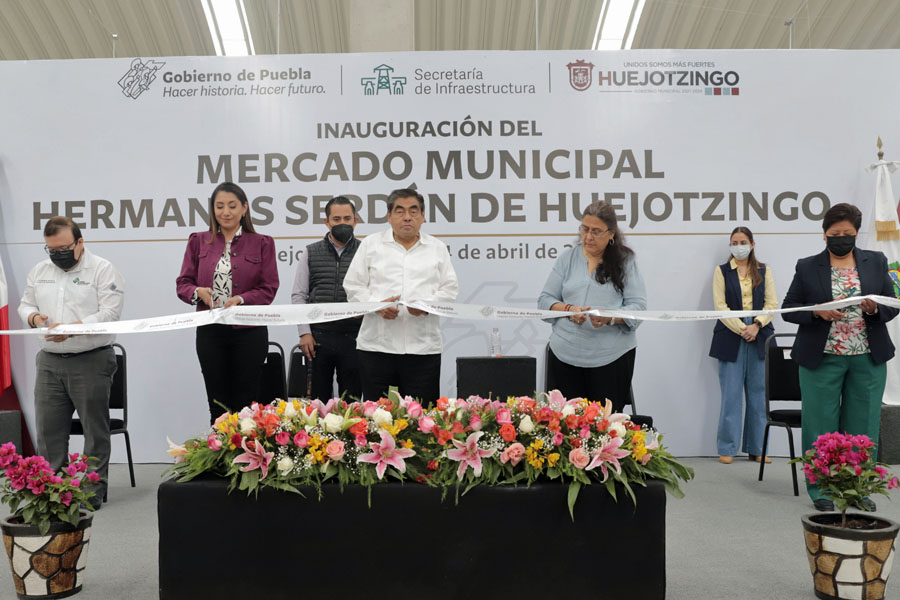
841, 353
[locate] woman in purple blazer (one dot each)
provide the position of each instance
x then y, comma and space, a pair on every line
226, 266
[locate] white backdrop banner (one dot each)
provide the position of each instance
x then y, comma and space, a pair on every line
508, 148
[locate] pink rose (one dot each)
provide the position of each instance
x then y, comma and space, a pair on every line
579, 458
513, 454
282, 438
504, 416
426, 424
476, 423
369, 408
301, 439
213, 443
335, 450
360, 441
414, 410
585, 432
558, 438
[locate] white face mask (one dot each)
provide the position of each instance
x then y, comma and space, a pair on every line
741, 252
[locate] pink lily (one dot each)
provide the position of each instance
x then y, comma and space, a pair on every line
257, 458
557, 401
324, 408
386, 454
175, 450
606, 410
609, 453
653, 445
469, 454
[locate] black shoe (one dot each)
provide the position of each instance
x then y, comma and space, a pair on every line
867, 504
823, 505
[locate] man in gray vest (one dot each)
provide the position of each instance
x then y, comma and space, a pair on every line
320, 276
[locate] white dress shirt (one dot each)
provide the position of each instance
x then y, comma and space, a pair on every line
91, 292
383, 268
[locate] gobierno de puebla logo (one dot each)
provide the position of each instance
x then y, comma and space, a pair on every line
139, 76
701, 76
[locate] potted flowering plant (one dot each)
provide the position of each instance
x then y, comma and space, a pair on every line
850, 555
457, 443
46, 536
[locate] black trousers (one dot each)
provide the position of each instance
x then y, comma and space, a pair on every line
416, 375
611, 381
231, 360
335, 352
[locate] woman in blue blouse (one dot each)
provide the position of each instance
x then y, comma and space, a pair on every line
593, 357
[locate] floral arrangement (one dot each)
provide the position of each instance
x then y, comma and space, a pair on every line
843, 467
39, 496
456, 443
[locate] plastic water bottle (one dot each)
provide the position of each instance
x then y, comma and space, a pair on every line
495, 342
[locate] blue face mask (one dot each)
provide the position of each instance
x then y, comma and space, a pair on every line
741, 252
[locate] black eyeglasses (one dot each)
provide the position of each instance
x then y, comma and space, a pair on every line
54, 251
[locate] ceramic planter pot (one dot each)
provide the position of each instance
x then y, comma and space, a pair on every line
849, 563
50, 565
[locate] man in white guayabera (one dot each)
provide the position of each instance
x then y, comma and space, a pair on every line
74, 372
401, 346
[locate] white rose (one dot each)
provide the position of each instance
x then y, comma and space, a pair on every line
567, 410
526, 425
333, 423
285, 464
382, 417
451, 403
289, 411
619, 428
247, 425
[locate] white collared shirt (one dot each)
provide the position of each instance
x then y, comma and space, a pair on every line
92, 291
383, 268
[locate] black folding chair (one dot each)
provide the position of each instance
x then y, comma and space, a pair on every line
272, 381
298, 374
782, 385
118, 400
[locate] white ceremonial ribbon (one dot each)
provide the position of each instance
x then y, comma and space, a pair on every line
295, 314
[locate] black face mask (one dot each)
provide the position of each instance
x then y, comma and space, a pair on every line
342, 233
840, 245
64, 259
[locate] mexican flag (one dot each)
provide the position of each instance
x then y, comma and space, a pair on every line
5, 369
886, 239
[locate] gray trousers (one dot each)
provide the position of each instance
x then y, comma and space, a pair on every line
64, 384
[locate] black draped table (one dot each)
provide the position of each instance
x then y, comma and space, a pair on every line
496, 542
